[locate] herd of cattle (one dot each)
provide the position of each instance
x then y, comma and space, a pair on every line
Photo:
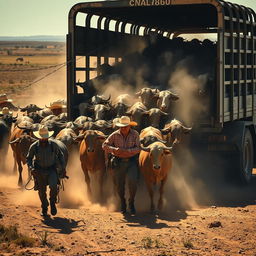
158, 133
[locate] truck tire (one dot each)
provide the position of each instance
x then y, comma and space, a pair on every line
246, 159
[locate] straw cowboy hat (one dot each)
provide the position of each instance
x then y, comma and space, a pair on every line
5, 111
43, 133
3, 98
124, 121
57, 104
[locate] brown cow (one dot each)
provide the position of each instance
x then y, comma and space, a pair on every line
20, 142
155, 162
92, 157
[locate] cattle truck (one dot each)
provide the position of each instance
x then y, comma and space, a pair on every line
109, 30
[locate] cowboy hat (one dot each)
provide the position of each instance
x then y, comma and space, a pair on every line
5, 111
3, 98
57, 104
43, 133
124, 121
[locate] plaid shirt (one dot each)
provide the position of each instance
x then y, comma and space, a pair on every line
130, 145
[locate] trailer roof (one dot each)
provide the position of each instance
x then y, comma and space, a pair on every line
166, 14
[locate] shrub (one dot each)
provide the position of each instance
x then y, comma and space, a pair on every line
11, 235
188, 244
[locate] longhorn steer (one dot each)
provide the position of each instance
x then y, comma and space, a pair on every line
164, 100
137, 111
148, 96
67, 136
156, 117
121, 104
174, 131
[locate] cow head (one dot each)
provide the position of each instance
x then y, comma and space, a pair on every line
30, 108
147, 95
91, 139
176, 130
154, 116
100, 111
35, 117
99, 99
150, 139
165, 99
156, 152
24, 143
9, 119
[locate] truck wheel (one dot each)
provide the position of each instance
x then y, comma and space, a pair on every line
246, 162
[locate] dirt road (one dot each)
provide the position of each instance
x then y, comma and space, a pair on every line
90, 229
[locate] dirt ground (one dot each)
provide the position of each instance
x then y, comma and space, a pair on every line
201, 216
84, 228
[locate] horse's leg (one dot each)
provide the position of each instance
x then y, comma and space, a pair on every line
161, 192
87, 180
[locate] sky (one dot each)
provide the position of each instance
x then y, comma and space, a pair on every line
46, 17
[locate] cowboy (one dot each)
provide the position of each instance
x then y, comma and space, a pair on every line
124, 147
43, 159
58, 107
5, 102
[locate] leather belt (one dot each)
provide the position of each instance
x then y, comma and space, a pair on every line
124, 159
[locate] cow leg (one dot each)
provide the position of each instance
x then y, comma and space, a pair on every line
87, 180
161, 192
101, 179
151, 195
20, 181
14, 170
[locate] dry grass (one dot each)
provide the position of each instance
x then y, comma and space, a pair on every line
13, 81
10, 235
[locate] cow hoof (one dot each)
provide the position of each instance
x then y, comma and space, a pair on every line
20, 184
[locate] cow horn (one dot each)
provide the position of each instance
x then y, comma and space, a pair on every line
168, 148
186, 129
79, 137
144, 148
163, 141
138, 93
165, 131
25, 127
106, 100
14, 141
37, 109
46, 106
22, 109
102, 137
163, 113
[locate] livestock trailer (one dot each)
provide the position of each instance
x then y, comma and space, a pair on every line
107, 31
